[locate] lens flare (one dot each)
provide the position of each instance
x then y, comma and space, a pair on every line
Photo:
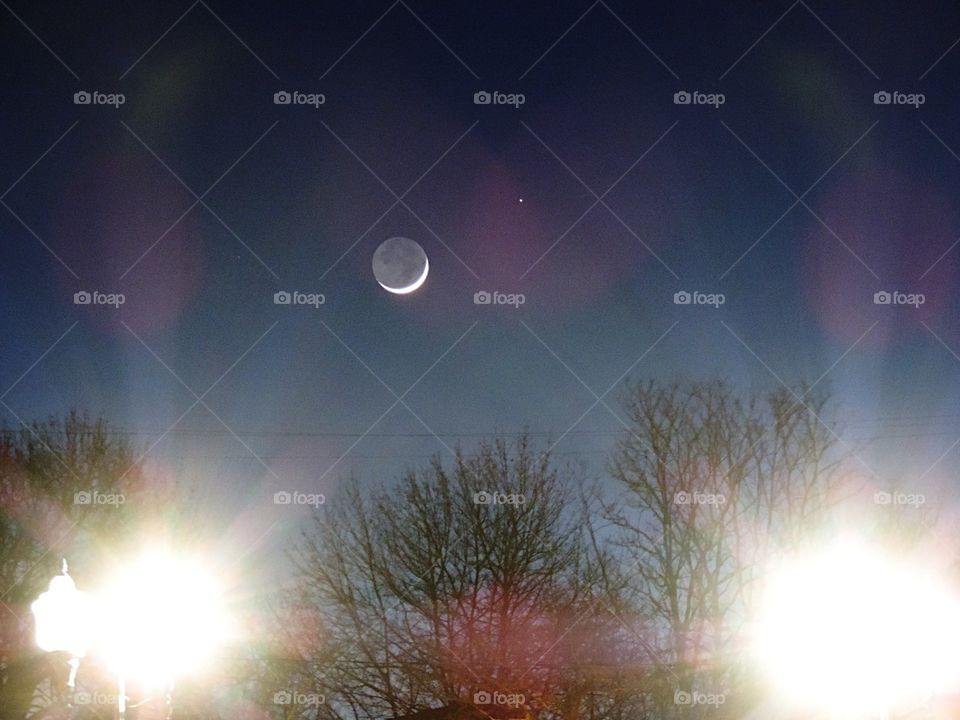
162, 617
853, 633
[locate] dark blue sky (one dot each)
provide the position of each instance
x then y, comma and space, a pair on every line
289, 197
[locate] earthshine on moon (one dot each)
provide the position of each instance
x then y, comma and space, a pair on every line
400, 265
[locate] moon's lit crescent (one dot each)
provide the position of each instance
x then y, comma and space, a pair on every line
414, 285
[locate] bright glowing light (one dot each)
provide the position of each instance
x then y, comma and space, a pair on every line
162, 617
63, 617
852, 633
412, 286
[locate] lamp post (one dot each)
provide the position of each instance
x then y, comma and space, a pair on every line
160, 618
63, 617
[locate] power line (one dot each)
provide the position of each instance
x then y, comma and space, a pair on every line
332, 434
145, 432
356, 456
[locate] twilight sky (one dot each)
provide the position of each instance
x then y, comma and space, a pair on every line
598, 199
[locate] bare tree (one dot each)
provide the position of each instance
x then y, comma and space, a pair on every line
49, 475
712, 484
454, 584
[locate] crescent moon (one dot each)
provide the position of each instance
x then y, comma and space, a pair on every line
414, 285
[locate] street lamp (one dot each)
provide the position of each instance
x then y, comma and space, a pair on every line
63, 617
854, 633
158, 619
162, 617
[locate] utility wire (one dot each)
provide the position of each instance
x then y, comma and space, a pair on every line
909, 422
